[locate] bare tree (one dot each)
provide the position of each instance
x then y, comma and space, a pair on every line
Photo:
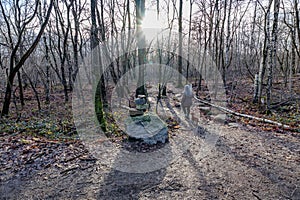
15, 67
273, 50
179, 84
96, 56
140, 12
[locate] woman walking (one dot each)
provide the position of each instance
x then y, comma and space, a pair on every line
187, 100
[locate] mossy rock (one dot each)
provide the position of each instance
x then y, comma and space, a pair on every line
148, 128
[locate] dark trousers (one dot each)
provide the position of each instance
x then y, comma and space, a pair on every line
186, 110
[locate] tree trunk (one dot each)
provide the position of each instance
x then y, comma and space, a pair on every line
266, 47
179, 84
21, 89
47, 85
95, 56
272, 61
7, 98
140, 12
36, 94
189, 40
297, 22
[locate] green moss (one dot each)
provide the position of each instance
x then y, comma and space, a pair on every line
100, 113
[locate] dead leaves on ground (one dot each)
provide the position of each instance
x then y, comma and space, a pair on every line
23, 155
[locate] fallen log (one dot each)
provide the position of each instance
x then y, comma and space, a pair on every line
226, 110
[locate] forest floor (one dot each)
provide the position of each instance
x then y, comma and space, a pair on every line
42, 157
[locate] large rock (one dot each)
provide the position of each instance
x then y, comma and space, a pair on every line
149, 128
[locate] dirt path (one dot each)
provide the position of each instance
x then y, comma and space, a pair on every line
241, 164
